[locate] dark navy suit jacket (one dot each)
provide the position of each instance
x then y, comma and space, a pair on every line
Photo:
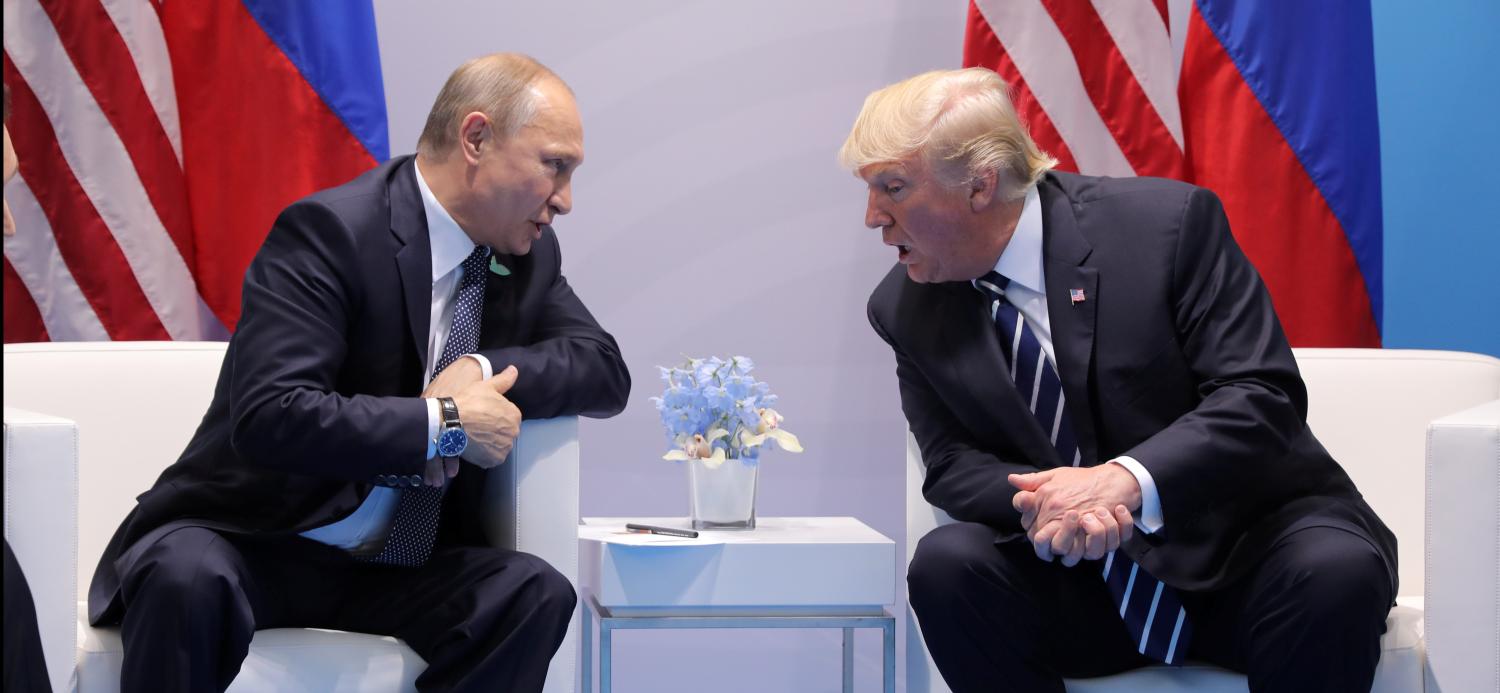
318, 398
1175, 357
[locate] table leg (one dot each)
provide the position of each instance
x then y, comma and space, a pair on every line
606, 660
888, 632
586, 614
848, 660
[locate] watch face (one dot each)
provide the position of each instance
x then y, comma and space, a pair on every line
451, 442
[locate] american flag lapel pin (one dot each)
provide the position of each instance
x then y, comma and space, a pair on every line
1076, 295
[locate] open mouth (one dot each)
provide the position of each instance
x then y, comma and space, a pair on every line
902, 252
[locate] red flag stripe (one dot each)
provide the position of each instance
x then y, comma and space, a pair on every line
982, 49
87, 246
1042, 56
104, 62
1114, 91
39, 263
23, 322
139, 26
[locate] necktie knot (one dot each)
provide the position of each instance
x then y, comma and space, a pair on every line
993, 284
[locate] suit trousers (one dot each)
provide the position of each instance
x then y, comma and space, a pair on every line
1308, 618
25, 670
483, 618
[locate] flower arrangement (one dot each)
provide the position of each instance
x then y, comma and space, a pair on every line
715, 410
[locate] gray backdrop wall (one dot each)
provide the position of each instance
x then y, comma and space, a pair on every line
711, 218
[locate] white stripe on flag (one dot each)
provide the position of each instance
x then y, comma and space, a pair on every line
1139, 33
1176, 631
140, 27
103, 167
1045, 61
1150, 616
65, 310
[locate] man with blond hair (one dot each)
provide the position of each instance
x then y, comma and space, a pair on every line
394, 331
1107, 405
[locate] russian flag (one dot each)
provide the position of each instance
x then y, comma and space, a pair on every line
157, 143
1279, 116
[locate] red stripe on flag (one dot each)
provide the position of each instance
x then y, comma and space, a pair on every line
982, 49
1166, 18
85, 242
103, 60
1119, 98
1278, 215
23, 322
287, 142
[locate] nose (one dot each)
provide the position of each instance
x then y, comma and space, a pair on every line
875, 217
561, 201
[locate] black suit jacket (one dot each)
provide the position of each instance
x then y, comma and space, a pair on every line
318, 398
1175, 358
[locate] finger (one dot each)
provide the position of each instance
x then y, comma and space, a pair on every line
1111, 529
1041, 541
1094, 537
450, 467
1024, 501
1127, 522
1029, 482
432, 473
1067, 534
504, 380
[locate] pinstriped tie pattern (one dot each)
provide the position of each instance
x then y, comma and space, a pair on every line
1152, 612
414, 526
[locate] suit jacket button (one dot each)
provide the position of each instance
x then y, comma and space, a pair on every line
416, 480
390, 480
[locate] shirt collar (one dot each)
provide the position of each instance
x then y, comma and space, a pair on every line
1021, 261
450, 245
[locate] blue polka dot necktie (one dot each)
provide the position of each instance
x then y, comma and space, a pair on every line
414, 526
1151, 610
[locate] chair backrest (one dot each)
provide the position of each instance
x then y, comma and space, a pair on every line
1371, 409
136, 405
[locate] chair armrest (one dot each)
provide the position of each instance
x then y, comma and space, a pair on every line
1463, 551
531, 505
41, 526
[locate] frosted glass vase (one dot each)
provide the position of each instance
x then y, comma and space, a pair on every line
723, 497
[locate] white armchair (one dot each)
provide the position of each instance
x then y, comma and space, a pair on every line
1375, 410
126, 411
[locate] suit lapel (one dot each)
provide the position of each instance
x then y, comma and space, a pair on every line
414, 259
977, 369
1064, 251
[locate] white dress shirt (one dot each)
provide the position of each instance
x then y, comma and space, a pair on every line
364, 531
1021, 263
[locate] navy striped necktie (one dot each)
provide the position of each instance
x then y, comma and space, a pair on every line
415, 523
1152, 611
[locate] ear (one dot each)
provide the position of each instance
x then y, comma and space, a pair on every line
984, 191
474, 135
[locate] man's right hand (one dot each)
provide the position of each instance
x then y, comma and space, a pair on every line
490, 420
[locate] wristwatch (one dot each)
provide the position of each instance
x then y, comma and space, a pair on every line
451, 439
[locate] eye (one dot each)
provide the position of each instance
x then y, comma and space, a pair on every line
558, 165
893, 188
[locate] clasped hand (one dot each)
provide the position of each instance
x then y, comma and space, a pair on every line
1076, 513
490, 419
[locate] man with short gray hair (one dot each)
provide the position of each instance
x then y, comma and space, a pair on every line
1107, 405
395, 330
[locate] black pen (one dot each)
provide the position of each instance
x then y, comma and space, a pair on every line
664, 531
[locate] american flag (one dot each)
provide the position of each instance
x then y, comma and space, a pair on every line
1270, 105
157, 142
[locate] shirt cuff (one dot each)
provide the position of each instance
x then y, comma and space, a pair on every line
484, 365
433, 416
1149, 518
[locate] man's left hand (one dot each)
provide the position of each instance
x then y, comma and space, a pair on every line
1054, 504
463, 372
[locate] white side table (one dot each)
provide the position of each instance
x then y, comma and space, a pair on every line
788, 572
